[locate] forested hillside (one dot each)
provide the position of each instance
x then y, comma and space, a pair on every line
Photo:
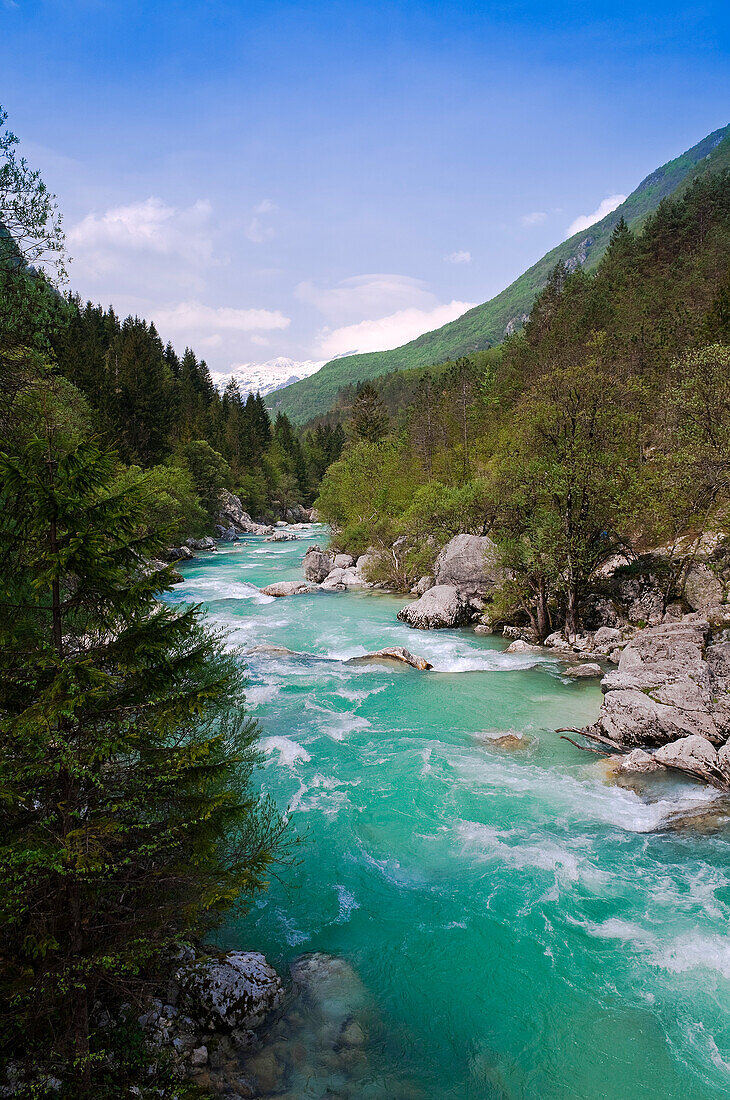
488, 324
603, 426
162, 411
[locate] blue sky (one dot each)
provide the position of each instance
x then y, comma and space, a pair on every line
307, 179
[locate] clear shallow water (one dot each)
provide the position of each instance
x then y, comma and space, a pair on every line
520, 927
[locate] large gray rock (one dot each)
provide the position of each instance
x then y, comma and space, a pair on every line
366, 562
692, 753
702, 589
344, 561
226, 534
206, 543
637, 761
442, 606
423, 585
586, 671
237, 990
177, 553
289, 588
317, 564
471, 564
394, 653
339, 579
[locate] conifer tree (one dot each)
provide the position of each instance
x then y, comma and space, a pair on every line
127, 819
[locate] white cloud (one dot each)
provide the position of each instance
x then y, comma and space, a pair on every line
258, 230
387, 332
195, 321
104, 241
366, 296
461, 256
535, 218
586, 220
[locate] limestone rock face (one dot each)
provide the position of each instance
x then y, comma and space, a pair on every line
236, 990
231, 514
702, 589
442, 606
343, 561
317, 564
471, 564
423, 585
672, 682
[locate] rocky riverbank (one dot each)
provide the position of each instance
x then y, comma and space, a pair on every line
667, 705
234, 1027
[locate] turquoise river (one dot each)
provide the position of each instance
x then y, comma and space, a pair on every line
516, 926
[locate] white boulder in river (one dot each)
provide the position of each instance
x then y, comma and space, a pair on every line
471, 564
442, 606
288, 588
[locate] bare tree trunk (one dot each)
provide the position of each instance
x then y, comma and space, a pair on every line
543, 614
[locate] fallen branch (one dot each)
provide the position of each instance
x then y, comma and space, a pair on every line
586, 748
595, 737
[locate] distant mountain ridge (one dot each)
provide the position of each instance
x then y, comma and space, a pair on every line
489, 323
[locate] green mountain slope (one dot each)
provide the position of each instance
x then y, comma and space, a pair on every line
488, 324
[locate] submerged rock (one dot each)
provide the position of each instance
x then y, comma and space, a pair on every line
274, 650
505, 742
394, 653
442, 606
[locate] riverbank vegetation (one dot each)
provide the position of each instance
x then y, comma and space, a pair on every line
601, 428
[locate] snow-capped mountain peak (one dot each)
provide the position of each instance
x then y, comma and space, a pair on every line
266, 377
